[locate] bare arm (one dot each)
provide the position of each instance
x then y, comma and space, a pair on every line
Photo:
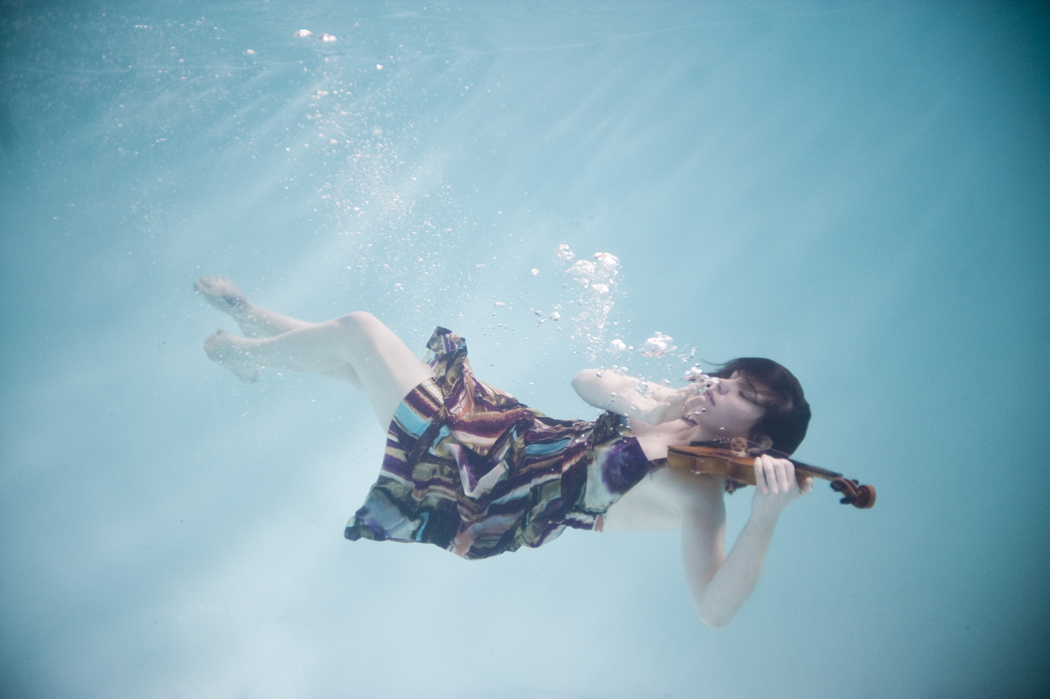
625, 395
720, 584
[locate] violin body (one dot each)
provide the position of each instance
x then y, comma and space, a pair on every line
735, 460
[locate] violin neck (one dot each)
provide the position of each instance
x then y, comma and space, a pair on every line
707, 458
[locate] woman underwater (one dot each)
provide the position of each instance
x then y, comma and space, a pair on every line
470, 469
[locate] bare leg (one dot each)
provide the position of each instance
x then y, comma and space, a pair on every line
385, 368
223, 294
255, 321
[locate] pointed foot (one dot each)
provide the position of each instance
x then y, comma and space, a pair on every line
229, 351
223, 294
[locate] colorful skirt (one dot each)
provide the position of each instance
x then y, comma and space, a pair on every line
470, 469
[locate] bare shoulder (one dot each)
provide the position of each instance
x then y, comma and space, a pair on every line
659, 502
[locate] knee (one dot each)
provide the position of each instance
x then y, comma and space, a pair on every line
358, 321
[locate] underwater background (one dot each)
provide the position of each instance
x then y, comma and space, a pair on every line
859, 190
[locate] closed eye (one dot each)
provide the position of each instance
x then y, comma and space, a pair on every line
749, 393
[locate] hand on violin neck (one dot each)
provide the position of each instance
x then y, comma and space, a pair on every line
777, 487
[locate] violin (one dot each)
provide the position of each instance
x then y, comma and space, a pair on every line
734, 459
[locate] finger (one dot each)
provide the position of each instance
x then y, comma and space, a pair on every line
783, 470
778, 480
807, 486
769, 473
769, 469
760, 474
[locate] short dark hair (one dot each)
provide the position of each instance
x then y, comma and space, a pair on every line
787, 414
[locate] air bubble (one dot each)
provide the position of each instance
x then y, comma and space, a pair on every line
658, 345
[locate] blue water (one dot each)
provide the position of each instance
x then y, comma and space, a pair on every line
859, 190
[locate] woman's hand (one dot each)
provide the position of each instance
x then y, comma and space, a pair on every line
719, 584
674, 404
635, 398
777, 487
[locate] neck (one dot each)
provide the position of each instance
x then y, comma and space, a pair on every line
655, 439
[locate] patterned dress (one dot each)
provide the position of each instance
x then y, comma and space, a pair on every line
470, 469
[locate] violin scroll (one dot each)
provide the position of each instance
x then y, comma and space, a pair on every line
860, 496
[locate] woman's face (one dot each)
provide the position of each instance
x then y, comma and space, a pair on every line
729, 408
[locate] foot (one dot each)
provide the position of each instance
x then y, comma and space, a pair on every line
231, 352
223, 294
